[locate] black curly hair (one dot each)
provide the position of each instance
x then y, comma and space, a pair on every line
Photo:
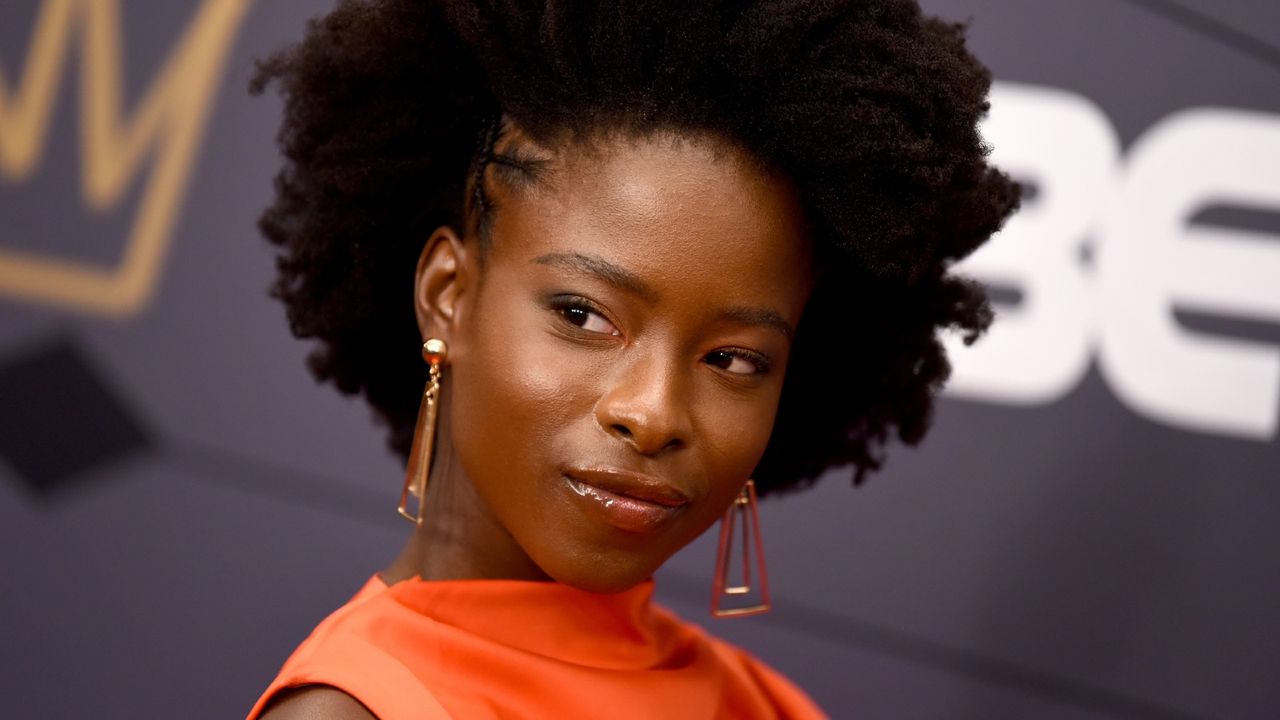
867, 106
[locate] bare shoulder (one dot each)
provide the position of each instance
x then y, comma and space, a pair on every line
317, 702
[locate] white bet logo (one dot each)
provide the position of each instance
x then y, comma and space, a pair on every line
1147, 260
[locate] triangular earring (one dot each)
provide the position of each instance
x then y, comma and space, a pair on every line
742, 517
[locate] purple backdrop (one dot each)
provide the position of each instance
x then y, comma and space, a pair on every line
1089, 531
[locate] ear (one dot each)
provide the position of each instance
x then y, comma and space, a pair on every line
444, 274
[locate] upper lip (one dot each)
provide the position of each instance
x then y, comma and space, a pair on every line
631, 484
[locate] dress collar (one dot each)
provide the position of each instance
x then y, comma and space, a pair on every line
618, 631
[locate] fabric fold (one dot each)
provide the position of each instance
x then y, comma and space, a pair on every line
510, 648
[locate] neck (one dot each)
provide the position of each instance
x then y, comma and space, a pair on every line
459, 538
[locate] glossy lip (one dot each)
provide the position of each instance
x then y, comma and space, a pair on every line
628, 501
646, 488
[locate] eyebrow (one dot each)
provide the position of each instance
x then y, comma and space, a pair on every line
622, 278
602, 269
759, 317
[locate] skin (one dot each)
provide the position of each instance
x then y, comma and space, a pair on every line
633, 308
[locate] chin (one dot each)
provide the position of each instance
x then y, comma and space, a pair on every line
604, 575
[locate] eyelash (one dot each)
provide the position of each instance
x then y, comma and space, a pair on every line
563, 304
761, 362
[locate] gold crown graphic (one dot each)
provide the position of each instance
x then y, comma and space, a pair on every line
171, 117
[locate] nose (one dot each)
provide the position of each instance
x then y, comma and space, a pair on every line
646, 405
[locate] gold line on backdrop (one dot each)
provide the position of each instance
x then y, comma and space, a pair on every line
171, 117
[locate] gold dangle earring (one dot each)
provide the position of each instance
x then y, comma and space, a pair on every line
742, 513
434, 351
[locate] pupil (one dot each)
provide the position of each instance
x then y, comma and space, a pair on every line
577, 316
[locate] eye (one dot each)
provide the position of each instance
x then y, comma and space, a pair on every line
580, 313
738, 361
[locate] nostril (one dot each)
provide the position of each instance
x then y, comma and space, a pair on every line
622, 430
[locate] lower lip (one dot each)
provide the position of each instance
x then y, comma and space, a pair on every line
622, 512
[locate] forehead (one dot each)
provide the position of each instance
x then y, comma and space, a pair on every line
696, 215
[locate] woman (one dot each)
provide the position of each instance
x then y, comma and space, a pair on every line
658, 258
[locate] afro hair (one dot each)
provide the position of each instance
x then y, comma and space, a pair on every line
868, 107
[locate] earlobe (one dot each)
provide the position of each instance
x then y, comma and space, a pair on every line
441, 279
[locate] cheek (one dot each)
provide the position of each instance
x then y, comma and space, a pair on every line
517, 388
735, 435
733, 441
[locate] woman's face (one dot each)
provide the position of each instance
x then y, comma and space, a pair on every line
616, 364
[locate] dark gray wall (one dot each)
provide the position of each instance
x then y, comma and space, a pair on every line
1089, 531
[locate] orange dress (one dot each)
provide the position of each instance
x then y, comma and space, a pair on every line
508, 648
